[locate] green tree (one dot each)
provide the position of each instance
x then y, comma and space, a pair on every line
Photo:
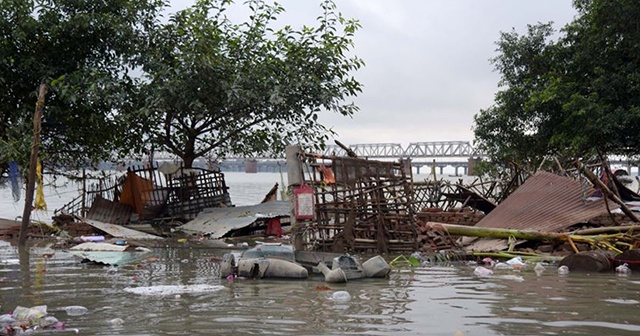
572, 97
84, 50
216, 87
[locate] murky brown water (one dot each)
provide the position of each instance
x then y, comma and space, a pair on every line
436, 300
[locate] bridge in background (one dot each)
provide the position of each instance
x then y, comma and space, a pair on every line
440, 154
415, 150
460, 155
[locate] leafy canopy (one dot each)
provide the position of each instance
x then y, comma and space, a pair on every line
215, 87
571, 97
84, 50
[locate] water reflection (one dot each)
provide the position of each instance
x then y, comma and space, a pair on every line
578, 304
439, 300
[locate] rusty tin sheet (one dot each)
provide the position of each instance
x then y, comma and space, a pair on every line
546, 202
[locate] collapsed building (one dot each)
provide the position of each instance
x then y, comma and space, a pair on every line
348, 204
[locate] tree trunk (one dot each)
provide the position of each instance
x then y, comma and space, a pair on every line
31, 179
187, 160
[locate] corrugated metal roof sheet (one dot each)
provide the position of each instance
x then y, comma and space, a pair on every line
546, 202
216, 222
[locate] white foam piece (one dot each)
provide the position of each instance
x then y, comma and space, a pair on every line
172, 289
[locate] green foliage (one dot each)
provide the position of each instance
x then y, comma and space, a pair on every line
83, 49
216, 87
208, 85
572, 97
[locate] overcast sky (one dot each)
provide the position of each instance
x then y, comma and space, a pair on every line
427, 67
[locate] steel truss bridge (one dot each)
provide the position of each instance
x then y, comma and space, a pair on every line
445, 153
415, 150
441, 154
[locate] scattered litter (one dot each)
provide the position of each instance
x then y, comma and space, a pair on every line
488, 261
539, 268
502, 266
116, 321
76, 310
623, 269
563, 270
31, 315
510, 277
172, 289
517, 261
92, 238
25, 320
482, 271
341, 296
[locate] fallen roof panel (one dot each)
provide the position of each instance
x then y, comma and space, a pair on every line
216, 222
545, 202
120, 231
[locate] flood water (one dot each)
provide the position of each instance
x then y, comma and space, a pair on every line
429, 300
446, 299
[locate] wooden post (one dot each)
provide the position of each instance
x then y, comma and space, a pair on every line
84, 211
33, 161
295, 179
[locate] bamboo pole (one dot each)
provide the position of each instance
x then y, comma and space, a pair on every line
605, 190
482, 232
608, 229
33, 161
474, 231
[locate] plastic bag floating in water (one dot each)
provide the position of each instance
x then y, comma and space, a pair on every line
341, 296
